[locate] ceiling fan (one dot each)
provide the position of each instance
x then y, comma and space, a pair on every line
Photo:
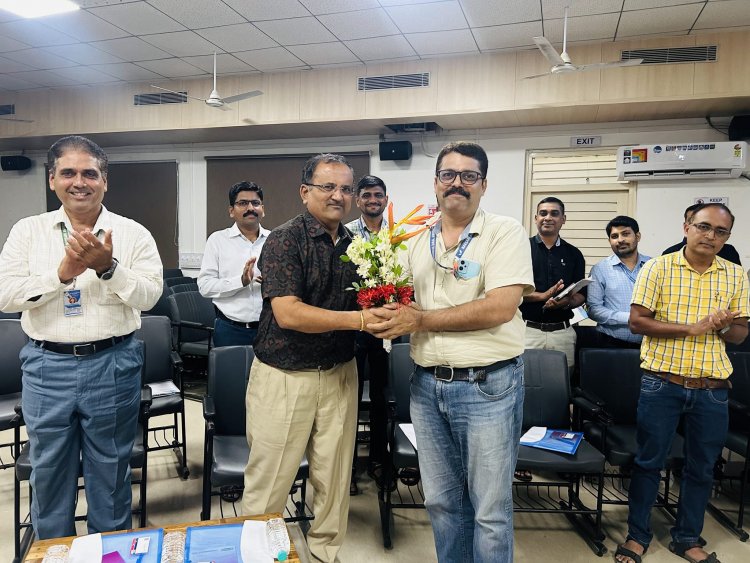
561, 63
214, 100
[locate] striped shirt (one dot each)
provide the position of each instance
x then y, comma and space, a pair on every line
29, 281
676, 293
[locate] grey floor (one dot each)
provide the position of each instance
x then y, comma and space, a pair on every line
537, 537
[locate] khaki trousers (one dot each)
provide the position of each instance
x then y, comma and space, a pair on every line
293, 413
561, 340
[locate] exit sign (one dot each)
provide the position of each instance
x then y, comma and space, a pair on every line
585, 141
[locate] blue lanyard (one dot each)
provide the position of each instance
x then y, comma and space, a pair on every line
466, 237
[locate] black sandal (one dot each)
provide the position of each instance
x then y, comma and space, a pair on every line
629, 553
679, 549
409, 476
523, 475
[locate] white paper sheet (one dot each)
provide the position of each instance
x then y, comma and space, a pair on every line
86, 549
534, 434
408, 429
163, 388
253, 543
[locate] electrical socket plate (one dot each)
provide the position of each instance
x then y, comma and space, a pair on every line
191, 260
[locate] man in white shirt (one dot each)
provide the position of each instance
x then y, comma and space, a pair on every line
228, 274
81, 275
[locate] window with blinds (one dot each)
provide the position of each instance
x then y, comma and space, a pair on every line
586, 181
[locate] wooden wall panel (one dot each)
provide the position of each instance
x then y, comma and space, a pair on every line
331, 94
730, 74
403, 101
486, 82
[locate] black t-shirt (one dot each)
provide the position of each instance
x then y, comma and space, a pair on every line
727, 252
561, 262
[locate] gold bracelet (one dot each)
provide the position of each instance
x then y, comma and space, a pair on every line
361, 321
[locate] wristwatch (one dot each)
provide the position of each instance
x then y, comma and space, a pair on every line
107, 275
725, 329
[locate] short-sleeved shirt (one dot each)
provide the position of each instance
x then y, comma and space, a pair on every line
677, 293
300, 259
501, 251
561, 262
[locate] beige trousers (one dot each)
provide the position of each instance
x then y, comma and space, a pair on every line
562, 340
293, 413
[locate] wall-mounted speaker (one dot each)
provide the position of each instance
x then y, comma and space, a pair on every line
739, 128
395, 150
15, 162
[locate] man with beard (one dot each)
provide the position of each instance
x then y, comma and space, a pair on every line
610, 292
228, 274
372, 201
557, 264
470, 270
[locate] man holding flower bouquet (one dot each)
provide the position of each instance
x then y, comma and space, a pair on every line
470, 273
302, 394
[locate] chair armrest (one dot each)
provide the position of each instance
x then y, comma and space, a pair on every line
176, 360
18, 419
593, 410
209, 409
589, 396
146, 400
198, 326
739, 408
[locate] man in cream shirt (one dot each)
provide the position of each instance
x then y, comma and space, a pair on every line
470, 271
81, 275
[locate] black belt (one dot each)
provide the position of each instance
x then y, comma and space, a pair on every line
548, 327
81, 348
224, 318
449, 373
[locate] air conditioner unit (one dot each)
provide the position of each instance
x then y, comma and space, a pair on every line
682, 161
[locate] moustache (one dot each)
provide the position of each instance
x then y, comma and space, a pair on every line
249, 212
457, 190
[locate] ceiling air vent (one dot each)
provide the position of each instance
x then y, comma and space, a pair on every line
159, 98
8, 109
671, 55
393, 81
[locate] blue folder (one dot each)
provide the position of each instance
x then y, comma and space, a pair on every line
564, 441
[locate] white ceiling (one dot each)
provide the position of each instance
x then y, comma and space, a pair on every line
111, 41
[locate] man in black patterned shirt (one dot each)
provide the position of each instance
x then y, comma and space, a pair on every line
302, 393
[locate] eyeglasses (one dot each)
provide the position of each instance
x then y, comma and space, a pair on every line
368, 195
330, 188
468, 177
705, 229
243, 203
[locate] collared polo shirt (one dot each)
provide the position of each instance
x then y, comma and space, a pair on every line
561, 262
299, 259
676, 293
501, 250
359, 227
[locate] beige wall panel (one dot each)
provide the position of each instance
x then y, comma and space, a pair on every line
279, 102
730, 74
646, 82
29, 105
484, 82
561, 88
556, 115
403, 101
331, 94
119, 113
479, 120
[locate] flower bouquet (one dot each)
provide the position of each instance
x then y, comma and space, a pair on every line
382, 277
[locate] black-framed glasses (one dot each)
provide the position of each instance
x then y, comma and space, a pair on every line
705, 229
468, 177
330, 188
244, 203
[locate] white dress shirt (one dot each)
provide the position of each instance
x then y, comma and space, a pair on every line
220, 277
28, 269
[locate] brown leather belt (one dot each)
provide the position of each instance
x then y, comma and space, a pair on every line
692, 382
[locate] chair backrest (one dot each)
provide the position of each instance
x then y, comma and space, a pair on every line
401, 367
614, 376
156, 333
161, 308
176, 281
10, 315
172, 273
193, 307
228, 374
547, 389
183, 287
12, 339
743, 347
740, 390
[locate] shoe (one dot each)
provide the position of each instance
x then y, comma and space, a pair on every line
679, 549
409, 476
523, 475
622, 550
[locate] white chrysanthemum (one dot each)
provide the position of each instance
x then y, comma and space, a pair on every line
363, 270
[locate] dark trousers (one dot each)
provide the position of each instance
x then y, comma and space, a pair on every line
370, 353
227, 334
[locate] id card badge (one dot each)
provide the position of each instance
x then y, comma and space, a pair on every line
466, 269
72, 305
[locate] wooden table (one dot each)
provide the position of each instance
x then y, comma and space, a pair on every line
39, 547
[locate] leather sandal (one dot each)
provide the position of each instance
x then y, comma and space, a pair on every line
629, 553
522, 475
679, 549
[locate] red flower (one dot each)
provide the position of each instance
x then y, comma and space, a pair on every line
378, 296
405, 293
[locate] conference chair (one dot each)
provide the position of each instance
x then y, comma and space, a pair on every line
172, 273
226, 450
182, 288
138, 461
605, 408
734, 487
179, 280
162, 372
13, 316
161, 307
12, 339
404, 463
556, 483
194, 317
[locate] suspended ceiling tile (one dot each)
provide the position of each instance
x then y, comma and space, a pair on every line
194, 15
483, 13
359, 25
181, 43
296, 31
84, 26
438, 16
131, 49
270, 59
239, 37
137, 18
323, 53
443, 42
278, 9
379, 48
503, 36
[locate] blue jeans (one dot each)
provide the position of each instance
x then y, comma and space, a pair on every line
81, 412
227, 334
468, 434
659, 409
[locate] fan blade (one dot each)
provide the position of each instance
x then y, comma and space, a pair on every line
16, 119
616, 64
548, 51
224, 107
178, 93
537, 76
243, 96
